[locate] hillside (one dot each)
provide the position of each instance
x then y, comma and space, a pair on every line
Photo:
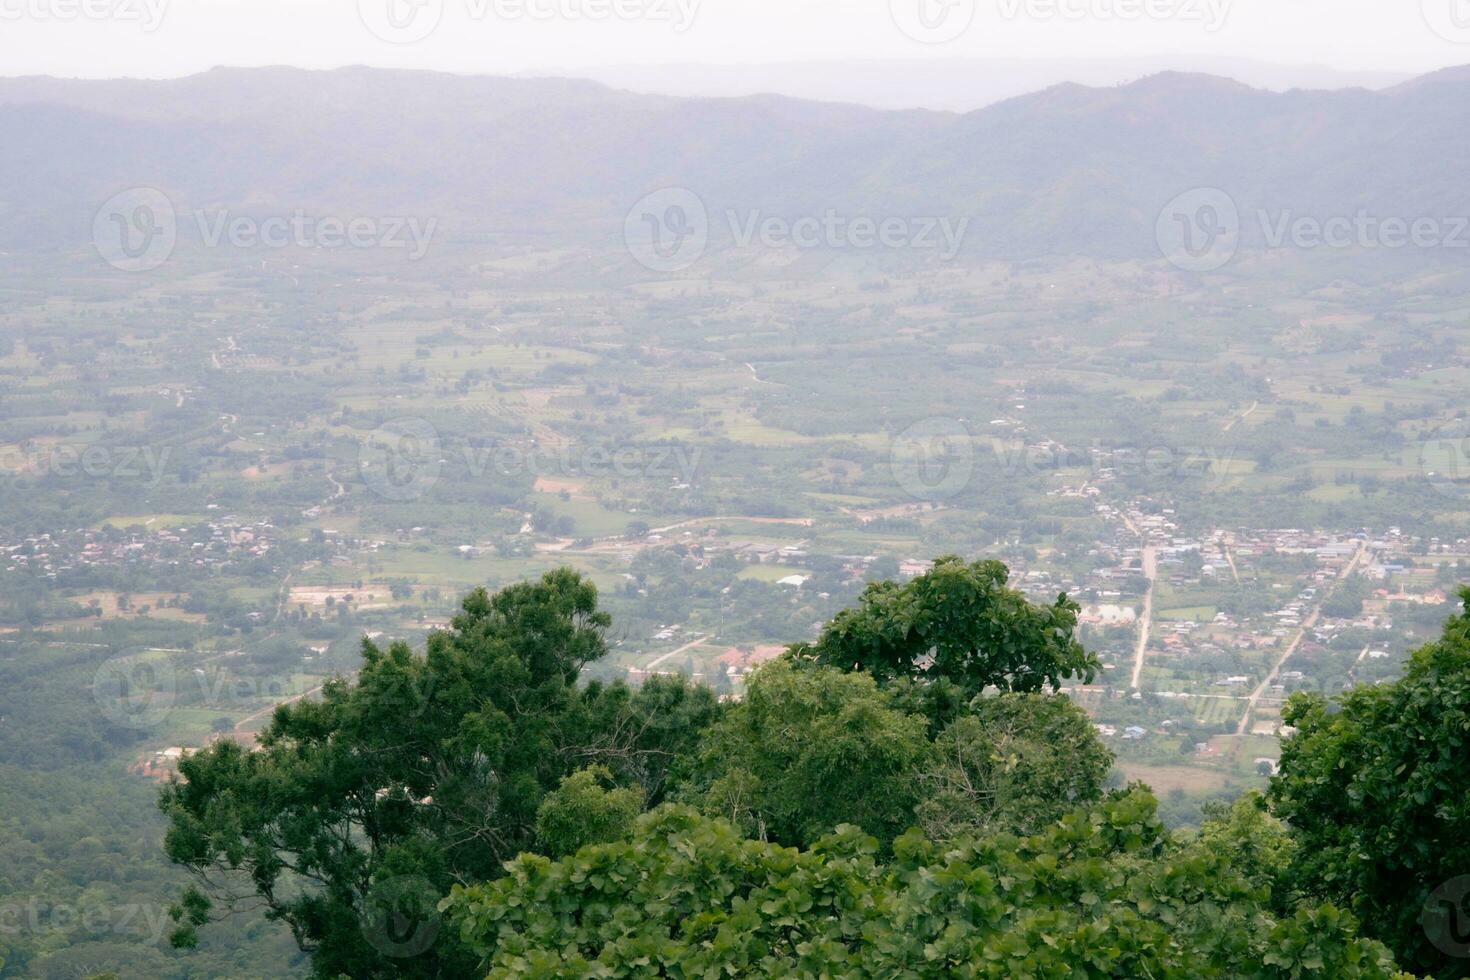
1068, 170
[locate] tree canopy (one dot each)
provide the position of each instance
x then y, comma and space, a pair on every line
960, 621
1377, 791
428, 769
806, 750
1104, 892
809, 748
900, 798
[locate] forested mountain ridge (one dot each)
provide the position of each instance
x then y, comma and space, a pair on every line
1067, 170
474, 809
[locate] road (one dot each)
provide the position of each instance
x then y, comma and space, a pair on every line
758, 379
1230, 559
674, 653
240, 726
1242, 416
1353, 670
1145, 622
1307, 624
790, 521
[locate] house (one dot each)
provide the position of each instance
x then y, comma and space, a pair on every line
913, 568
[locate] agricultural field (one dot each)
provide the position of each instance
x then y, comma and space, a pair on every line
268, 464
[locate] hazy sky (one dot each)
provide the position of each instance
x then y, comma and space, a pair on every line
156, 38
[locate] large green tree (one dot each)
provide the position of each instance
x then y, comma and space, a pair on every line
811, 747
1012, 762
1376, 789
361, 808
1105, 892
808, 749
959, 622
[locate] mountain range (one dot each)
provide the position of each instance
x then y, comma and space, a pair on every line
1068, 170
958, 84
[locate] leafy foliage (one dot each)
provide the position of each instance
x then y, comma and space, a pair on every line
961, 622
429, 769
587, 808
806, 750
810, 748
1014, 762
1103, 892
790, 847
1377, 791
1256, 844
